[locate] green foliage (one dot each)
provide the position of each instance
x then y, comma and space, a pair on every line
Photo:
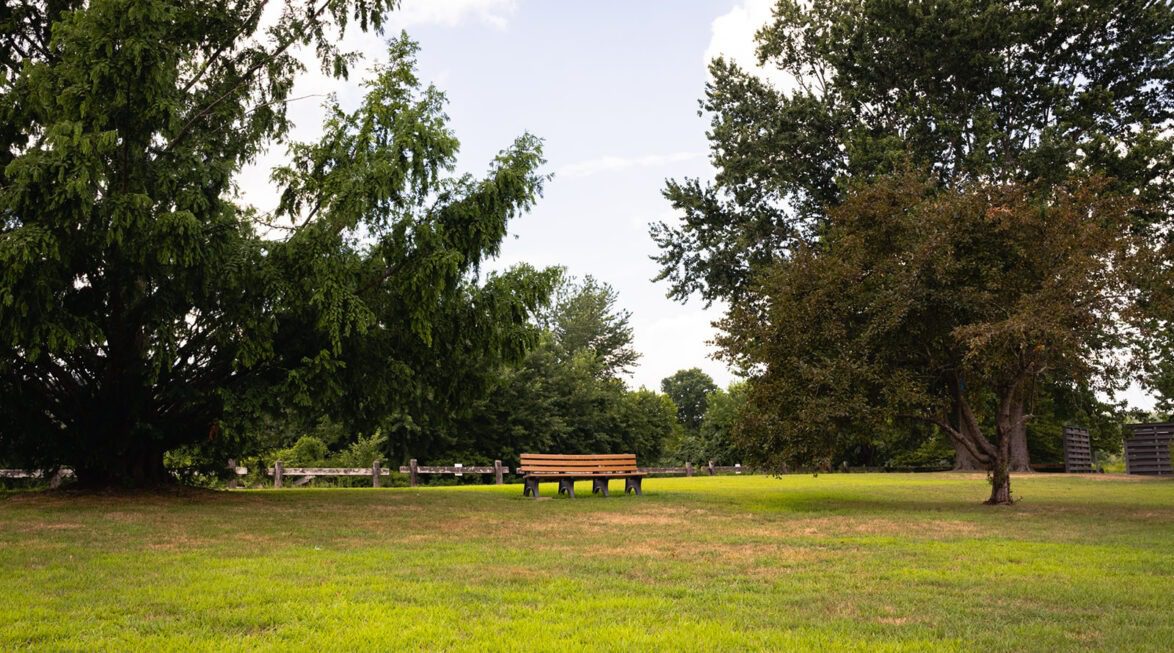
565, 396
690, 390
983, 96
874, 325
587, 324
972, 89
144, 309
363, 452
308, 451
714, 439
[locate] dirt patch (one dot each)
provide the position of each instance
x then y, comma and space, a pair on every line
44, 526
628, 519
1136, 478
824, 526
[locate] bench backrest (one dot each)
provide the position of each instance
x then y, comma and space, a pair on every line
578, 464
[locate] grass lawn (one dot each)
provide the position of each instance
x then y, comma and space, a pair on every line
835, 562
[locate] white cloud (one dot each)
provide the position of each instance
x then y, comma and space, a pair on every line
615, 163
453, 12
732, 37
675, 342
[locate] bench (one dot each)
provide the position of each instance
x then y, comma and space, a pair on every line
568, 468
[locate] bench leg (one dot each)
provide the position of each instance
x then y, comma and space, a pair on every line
530, 487
599, 486
567, 486
633, 485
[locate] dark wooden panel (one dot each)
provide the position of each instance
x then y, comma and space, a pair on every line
1077, 450
1147, 452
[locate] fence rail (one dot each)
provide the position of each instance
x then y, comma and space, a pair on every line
54, 479
413, 470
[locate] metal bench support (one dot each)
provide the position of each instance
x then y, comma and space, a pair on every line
632, 484
599, 486
567, 486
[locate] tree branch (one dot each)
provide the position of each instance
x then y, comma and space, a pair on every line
281, 48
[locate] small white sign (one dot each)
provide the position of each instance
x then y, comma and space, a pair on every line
458, 466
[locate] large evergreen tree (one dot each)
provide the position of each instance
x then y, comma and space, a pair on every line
143, 307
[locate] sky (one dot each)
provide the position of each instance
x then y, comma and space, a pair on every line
612, 87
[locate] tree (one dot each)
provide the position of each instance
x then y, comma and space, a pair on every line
973, 90
585, 320
566, 395
714, 438
690, 390
143, 308
919, 301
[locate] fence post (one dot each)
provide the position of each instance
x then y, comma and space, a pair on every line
497, 479
375, 474
711, 472
278, 468
688, 469
412, 471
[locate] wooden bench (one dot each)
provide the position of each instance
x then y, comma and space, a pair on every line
568, 468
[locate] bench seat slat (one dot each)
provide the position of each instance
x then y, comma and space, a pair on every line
587, 472
579, 455
585, 476
574, 467
568, 468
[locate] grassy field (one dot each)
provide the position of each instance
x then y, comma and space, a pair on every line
835, 562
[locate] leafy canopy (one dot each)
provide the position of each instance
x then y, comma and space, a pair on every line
968, 89
144, 308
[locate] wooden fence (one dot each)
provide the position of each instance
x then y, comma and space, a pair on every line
54, 479
306, 474
1148, 451
413, 470
1077, 450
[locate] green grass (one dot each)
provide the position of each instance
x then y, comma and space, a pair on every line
835, 562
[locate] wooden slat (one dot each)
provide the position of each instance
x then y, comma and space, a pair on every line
422, 469
528, 464
569, 456
584, 474
578, 459
24, 473
1148, 451
327, 471
579, 465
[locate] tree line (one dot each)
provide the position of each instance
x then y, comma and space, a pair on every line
946, 233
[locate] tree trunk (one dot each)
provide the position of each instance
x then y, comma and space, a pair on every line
964, 461
139, 467
1020, 459
1001, 465
1000, 484
1009, 421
